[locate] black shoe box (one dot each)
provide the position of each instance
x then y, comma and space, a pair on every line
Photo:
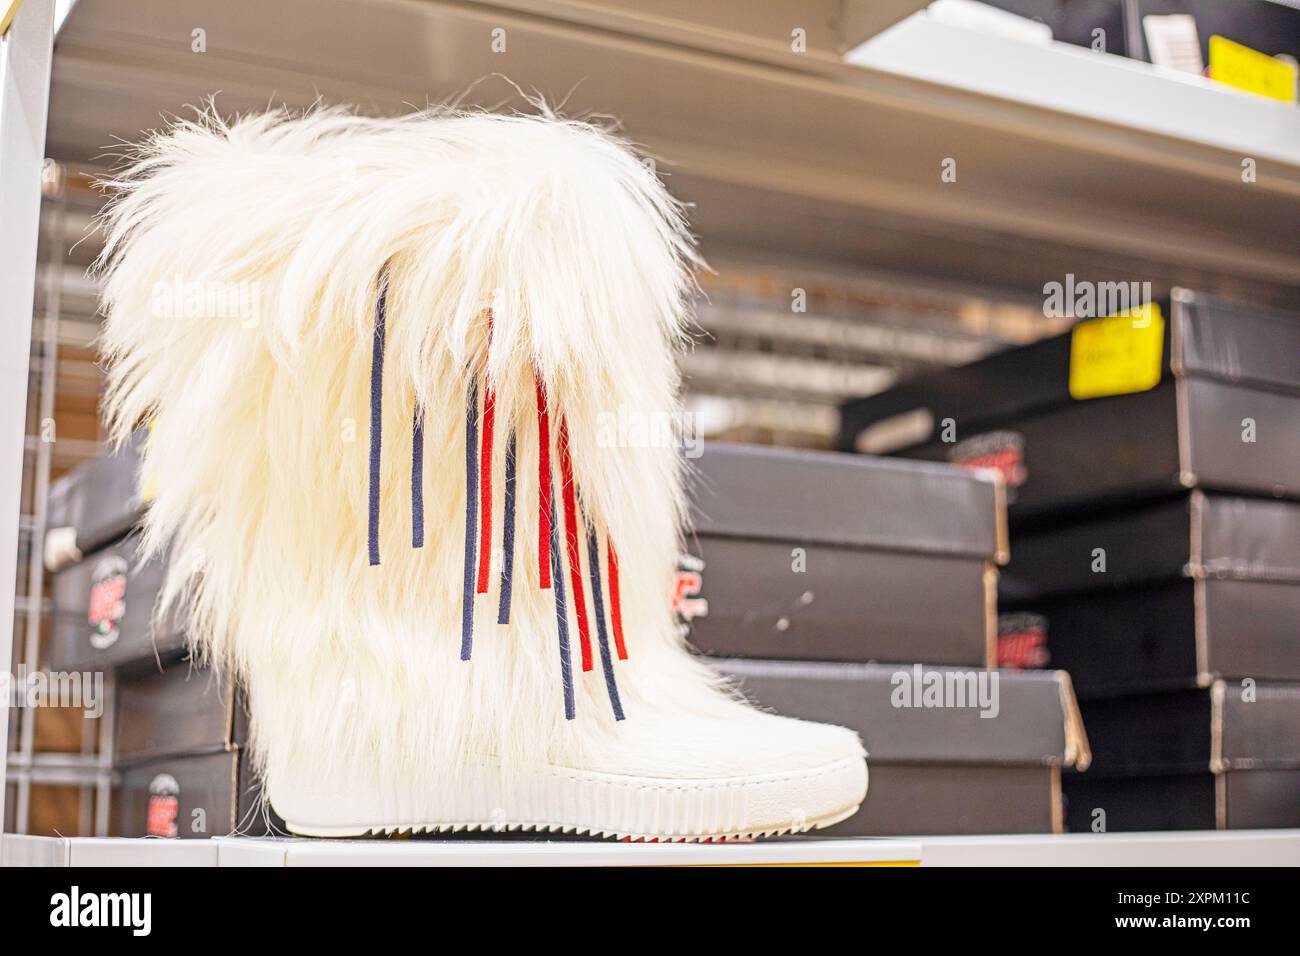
1174, 635
937, 769
180, 755
1233, 800
103, 613
191, 796
1172, 593
824, 556
1227, 372
101, 499
1226, 757
178, 708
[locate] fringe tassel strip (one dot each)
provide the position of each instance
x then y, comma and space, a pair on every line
602, 636
561, 605
417, 480
478, 523
571, 543
615, 604
376, 417
508, 533
485, 489
471, 520
545, 506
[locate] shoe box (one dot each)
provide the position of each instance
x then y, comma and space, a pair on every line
190, 796
103, 610
100, 500
1171, 593
1225, 756
103, 592
1151, 475
180, 754
1094, 415
950, 750
175, 708
826, 556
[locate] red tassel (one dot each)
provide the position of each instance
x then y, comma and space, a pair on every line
485, 474
571, 540
543, 485
485, 492
615, 605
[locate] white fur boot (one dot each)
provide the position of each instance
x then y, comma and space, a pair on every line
379, 358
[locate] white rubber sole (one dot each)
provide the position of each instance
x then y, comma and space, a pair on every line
618, 807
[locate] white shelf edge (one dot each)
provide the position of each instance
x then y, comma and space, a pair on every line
1169, 849
1100, 87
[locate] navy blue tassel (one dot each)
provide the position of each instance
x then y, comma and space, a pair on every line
508, 533
602, 636
417, 480
471, 522
376, 417
561, 614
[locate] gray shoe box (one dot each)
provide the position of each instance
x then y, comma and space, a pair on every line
937, 770
898, 559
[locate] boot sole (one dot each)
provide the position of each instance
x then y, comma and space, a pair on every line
643, 809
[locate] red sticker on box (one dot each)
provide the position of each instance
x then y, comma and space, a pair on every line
164, 806
107, 601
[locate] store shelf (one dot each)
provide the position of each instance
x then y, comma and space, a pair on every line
1208, 848
23, 850
243, 851
1071, 81
1067, 161
1238, 848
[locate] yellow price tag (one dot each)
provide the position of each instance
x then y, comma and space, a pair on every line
1246, 69
1117, 355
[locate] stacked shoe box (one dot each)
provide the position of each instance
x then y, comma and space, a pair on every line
862, 592
179, 764
1152, 469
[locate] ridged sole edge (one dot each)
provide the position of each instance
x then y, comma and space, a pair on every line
602, 805
826, 820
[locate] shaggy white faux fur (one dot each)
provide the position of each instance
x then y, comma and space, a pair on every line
241, 265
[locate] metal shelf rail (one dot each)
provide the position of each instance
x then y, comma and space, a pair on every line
64, 218
24, 98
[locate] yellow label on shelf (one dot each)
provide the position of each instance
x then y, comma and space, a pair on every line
1117, 355
8, 10
1246, 69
